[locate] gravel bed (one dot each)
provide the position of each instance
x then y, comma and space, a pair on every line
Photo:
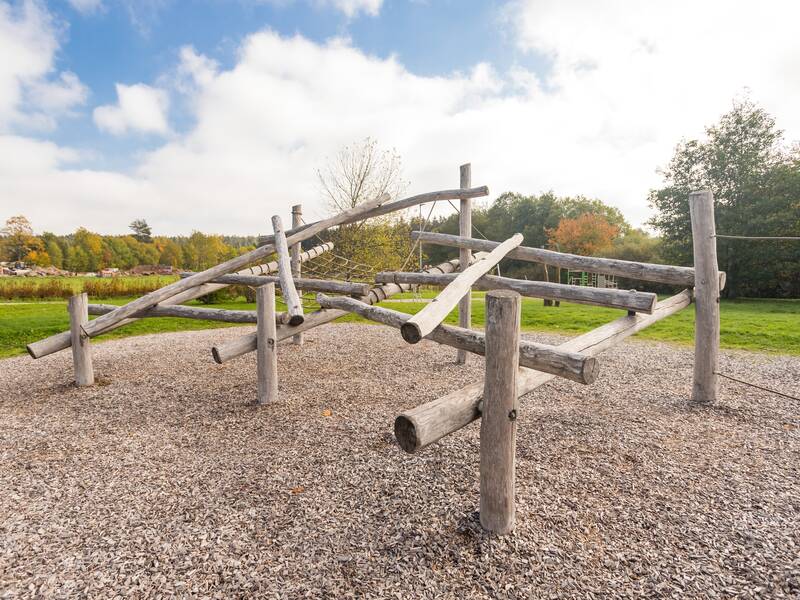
165, 480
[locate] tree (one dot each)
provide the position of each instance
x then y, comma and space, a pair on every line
755, 179
141, 231
588, 234
18, 238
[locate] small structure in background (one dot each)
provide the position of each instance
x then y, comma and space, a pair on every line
589, 279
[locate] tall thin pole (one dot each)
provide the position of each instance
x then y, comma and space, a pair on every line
297, 221
465, 255
267, 344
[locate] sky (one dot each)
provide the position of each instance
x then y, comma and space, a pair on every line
213, 115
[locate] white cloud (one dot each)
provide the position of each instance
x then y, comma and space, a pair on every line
86, 7
626, 84
351, 8
139, 108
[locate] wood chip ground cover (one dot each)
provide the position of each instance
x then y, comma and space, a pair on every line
166, 480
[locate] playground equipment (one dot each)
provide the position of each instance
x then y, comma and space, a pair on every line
513, 367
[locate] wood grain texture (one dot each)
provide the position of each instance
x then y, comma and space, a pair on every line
267, 350
294, 306
706, 291
499, 422
543, 357
77, 306
297, 221
331, 286
644, 302
421, 426
465, 255
193, 312
422, 323
683, 276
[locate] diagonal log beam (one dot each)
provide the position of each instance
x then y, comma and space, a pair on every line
543, 357
422, 323
247, 343
611, 298
333, 286
294, 306
192, 312
610, 266
428, 423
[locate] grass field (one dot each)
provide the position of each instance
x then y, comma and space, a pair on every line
761, 325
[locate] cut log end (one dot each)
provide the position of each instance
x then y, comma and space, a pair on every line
296, 320
215, 354
406, 433
411, 333
31, 351
591, 369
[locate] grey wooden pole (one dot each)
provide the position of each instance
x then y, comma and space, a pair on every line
498, 426
706, 292
297, 221
78, 307
266, 350
464, 256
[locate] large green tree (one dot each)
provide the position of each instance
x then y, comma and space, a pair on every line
755, 179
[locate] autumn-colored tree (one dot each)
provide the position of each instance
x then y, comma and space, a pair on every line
587, 235
18, 239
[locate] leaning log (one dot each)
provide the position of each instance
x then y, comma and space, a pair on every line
247, 343
193, 312
422, 323
643, 302
294, 305
609, 266
421, 426
542, 357
330, 286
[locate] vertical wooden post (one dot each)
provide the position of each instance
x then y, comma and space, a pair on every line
465, 255
78, 308
498, 422
297, 221
706, 292
267, 344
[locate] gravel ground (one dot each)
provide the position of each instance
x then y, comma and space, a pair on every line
166, 480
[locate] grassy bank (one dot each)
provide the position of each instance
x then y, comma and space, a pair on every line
759, 325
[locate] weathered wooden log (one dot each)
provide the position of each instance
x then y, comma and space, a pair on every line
193, 312
609, 266
421, 426
465, 256
498, 425
267, 350
422, 323
331, 286
706, 290
297, 221
81, 350
643, 302
247, 343
294, 306
543, 357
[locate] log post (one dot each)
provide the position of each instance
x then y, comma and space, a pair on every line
498, 426
78, 308
297, 221
465, 256
706, 292
266, 349
294, 305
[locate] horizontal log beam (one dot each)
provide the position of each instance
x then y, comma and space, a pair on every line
247, 343
192, 312
609, 266
331, 286
549, 359
428, 423
643, 302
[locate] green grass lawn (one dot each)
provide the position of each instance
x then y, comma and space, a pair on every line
762, 325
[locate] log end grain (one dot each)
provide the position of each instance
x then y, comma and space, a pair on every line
296, 320
411, 333
405, 432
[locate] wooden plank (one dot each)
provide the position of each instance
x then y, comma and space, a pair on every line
465, 256
421, 426
297, 221
422, 323
77, 306
706, 290
331, 286
294, 306
266, 353
621, 268
543, 357
247, 343
193, 312
644, 302
499, 422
